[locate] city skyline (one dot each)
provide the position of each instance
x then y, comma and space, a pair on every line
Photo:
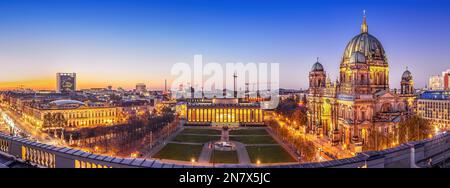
138, 42
224, 84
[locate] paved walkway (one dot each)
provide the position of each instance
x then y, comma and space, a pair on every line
262, 144
206, 153
158, 147
187, 143
290, 150
242, 153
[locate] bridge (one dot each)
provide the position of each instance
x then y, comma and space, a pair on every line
433, 152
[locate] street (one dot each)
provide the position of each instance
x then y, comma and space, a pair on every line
29, 129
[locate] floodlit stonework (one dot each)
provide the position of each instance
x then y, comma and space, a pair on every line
360, 100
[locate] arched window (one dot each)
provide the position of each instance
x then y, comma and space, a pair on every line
386, 107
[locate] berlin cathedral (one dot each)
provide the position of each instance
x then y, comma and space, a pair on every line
360, 100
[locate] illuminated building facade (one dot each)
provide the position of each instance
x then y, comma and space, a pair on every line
360, 100
76, 114
440, 82
66, 82
223, 112
435, 107
435, 83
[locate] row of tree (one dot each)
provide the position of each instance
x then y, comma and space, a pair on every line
291, 109
304, 147
413, 128
119, 139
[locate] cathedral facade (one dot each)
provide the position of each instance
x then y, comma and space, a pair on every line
360, 100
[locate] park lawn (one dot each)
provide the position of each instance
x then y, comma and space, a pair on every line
225, 157
181, 152
268, 154
254, 139
249, 131
200, 131
195, 138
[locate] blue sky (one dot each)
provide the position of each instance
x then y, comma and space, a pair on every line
120, 43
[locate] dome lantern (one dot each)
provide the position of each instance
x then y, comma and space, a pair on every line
364, 27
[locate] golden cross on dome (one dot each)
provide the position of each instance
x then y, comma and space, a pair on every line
364, 27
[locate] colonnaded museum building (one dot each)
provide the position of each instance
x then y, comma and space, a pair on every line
360, 101
224, 112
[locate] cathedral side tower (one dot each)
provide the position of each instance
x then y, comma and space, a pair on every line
407, 90
317, 87
407, 83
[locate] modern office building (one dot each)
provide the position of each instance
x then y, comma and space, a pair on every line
439, 82
435, 83
446, 80
66, 82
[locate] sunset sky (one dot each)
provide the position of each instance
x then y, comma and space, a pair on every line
121, 43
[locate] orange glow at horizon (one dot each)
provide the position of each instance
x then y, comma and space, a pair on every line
86, 83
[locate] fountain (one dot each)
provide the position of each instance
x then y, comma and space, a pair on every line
224, 144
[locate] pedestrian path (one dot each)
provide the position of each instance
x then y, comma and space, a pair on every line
205, 155
158, 147
242, 153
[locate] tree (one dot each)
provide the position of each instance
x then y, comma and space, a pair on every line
287, 107
299, 116
413, 129
306, 148
47, 123
59, 120
376, 141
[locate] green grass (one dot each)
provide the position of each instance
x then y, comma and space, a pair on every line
268, 154
195, 138
200, 131
181, 152
255, 139
225, 157
249, 131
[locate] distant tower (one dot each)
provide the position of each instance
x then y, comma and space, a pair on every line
66, 82
235, 91
203, 94
192, 92
165, 85
247, 92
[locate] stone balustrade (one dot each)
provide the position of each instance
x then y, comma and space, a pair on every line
409, 155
